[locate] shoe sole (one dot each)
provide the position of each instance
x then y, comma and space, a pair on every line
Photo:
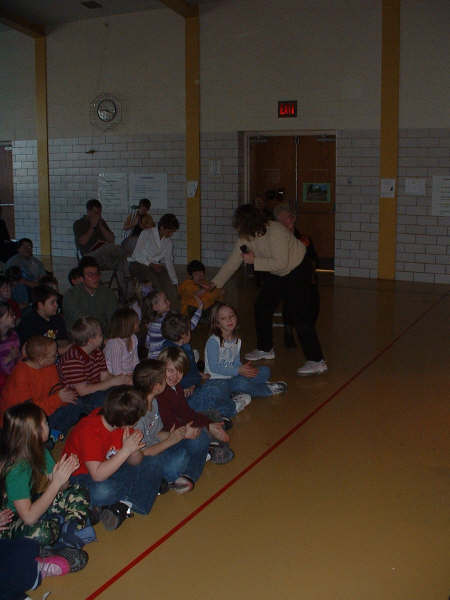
77, 559
110, 520
272, 357
312, 373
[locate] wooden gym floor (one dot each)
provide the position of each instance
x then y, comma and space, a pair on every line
339, 488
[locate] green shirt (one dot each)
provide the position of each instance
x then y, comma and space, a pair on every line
18, 479
78, 302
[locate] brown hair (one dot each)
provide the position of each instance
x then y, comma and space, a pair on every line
215, 327
147, 374
123, 406
84, 329
22, 441
175, 325
123, 323
177, 356
249, 221
37, 346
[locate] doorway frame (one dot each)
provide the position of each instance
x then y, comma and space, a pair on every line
273, 133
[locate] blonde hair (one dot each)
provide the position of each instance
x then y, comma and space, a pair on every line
177, 356
84, 329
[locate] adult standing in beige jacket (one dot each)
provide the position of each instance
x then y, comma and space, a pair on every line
271, 248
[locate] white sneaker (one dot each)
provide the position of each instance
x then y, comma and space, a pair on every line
277, 387
260, 355
241, 401
313, 367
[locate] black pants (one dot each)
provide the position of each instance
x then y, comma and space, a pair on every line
299, 296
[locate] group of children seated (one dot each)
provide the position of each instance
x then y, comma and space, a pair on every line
137, 414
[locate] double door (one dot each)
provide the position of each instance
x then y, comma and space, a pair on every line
301, 171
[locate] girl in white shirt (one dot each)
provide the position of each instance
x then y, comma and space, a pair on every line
121, 350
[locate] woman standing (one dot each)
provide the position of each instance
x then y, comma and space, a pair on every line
271, 248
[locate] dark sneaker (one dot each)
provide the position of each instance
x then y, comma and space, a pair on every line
163, 488
220, 452
114, 515
76, 558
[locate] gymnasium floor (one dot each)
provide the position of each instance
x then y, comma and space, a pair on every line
339, 489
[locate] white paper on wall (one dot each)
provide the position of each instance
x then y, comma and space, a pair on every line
387, 188
440, 199
415, 186
152, 186
113, 191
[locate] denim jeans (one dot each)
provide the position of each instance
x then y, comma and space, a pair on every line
138, 485
188, 457
67, 415
214, 394
255, 386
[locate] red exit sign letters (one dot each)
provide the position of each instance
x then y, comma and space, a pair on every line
287, 109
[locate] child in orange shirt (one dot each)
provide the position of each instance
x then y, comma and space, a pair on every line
197, 286
36, 379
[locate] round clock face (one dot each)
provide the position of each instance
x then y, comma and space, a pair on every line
106, 110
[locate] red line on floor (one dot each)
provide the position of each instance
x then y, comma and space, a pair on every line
222, 490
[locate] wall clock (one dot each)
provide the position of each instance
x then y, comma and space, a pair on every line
105, 111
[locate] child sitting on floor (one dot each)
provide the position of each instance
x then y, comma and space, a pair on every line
203, 394
9, 342
181, 450
196, 287
33, 485
119, 478
83, 366
173, 407
121, 349
155, 308
36, 379
222, 357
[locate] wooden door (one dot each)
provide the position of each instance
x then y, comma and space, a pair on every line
6, 188
316, 193
272, 166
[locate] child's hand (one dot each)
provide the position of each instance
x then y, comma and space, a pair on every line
5, 518
205, 285
248, 370
189, 391
64, 468
192, 432
123, 379
205, 376
132, 442
216, 429
176, 435
68, 395
199, 301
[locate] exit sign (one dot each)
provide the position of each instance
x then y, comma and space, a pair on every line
287, 109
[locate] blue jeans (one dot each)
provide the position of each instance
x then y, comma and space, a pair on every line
67, 415
138, 485
214, 394
185, 458
255, 386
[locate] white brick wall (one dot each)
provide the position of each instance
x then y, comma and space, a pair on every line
423, 246
356, 222
26, 196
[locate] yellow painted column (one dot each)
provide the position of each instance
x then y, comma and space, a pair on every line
192, 28
42, 144
389, 137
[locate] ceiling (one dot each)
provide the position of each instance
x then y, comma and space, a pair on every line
51, 13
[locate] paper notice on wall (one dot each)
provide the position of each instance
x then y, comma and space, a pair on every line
440, 198
387, 188
415, 186
112, 189
152, 186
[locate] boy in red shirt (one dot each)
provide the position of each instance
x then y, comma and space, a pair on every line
83, 365
119, 478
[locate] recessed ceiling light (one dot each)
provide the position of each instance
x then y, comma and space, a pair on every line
92, 4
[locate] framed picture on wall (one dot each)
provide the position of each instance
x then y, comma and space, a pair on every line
317, 192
